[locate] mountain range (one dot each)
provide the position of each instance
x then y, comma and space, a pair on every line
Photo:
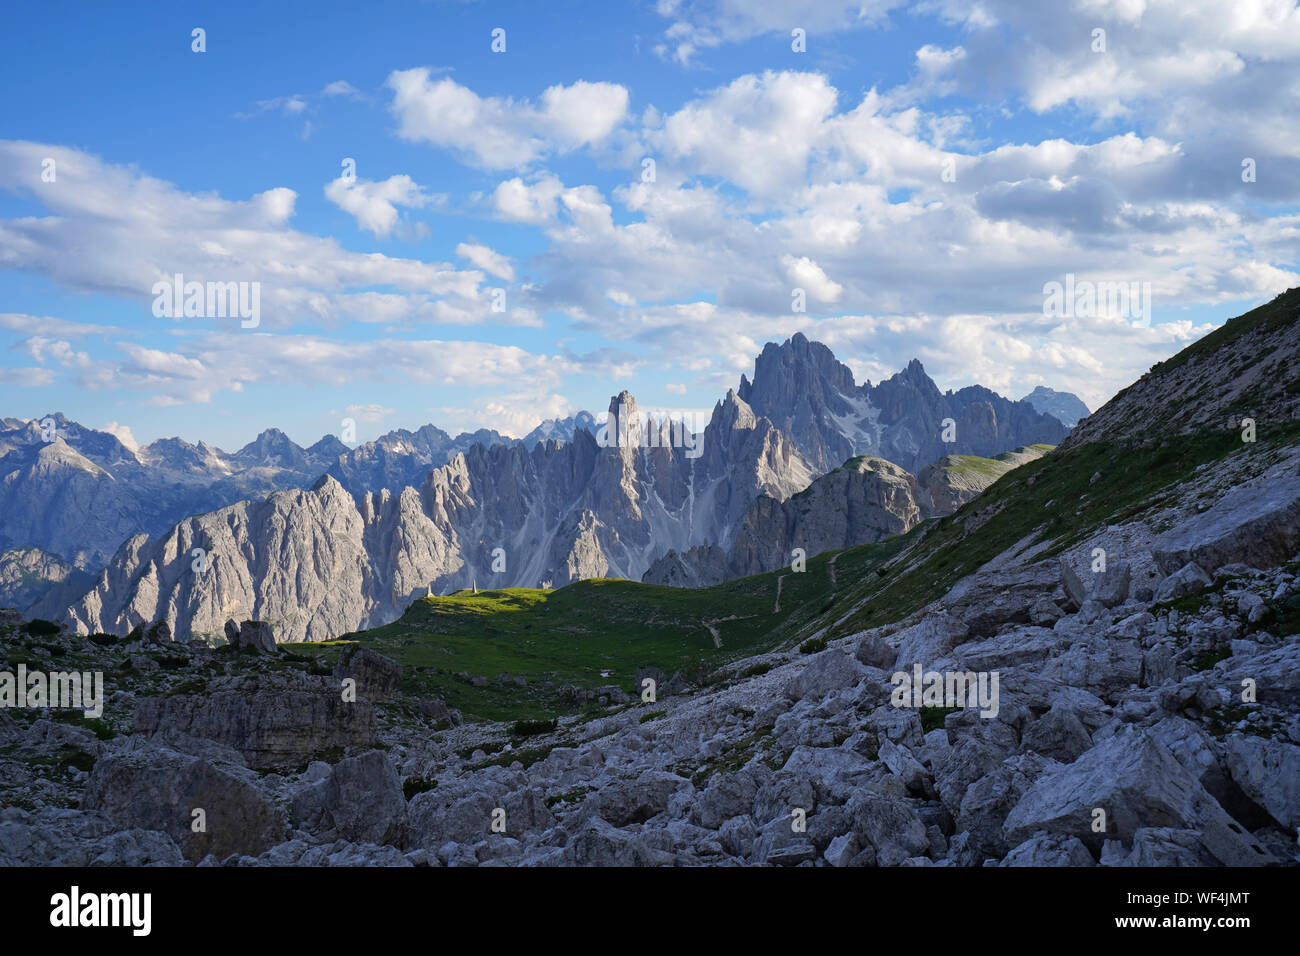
327, 539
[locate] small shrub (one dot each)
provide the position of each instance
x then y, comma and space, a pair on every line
1206, 661
529, 728
39, 627
653, 715
932, 718
813, 645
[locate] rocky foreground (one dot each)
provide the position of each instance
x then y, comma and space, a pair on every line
1146, 714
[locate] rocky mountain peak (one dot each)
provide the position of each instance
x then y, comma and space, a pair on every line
624, 424
272, 447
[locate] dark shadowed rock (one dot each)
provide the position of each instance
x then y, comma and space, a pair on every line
157, 789
377, 676
360, 800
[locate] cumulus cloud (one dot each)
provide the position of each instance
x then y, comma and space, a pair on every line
122, 433
195, 370
132, 230
514, 414
698, 26
374, 204
488, 260
517, 201
503, 133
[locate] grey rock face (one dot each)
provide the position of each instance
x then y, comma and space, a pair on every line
1108, 588
1050, 850
255, 636
1257, 525
1137, 783
360, 800
810, 396
62, 837
156, 789
317, 563
867, 499
377, 676
28, 576
826, 671
1269, 772
1188, 579
80, 493
273, 722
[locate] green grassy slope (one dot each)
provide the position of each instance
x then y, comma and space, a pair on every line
570, 635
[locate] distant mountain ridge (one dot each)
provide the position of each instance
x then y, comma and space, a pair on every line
811, 396
865, 500
81, 494
506, 514
319, 563
1065, 407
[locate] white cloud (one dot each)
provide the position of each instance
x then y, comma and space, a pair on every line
706, 24
132, 230
488, 260
806, 274
27, 377
48, 325
371, 414
502, 133
122, 433
534, 203
374, 204
340, 88
757, 132
196, 369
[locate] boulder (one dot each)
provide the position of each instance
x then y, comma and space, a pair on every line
1058, 734
890, 827
360, 800
1188, 579
1108, 588
157, 789
255, 636
874, 651
937, 633
1168, 846
637, 799
1138, 783
1050, 850
159, 632
1268, 771
1257, 524
727, 795
377, 676
829, 670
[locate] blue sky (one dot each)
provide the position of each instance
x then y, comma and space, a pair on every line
920, 172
